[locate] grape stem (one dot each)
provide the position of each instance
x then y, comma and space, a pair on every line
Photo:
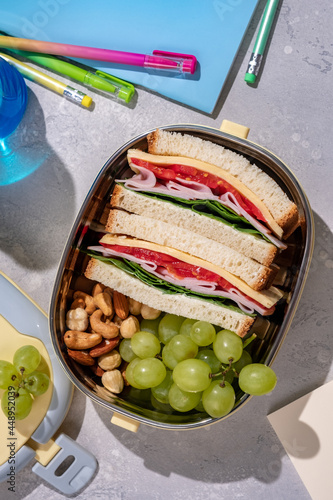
223, 372
249, 340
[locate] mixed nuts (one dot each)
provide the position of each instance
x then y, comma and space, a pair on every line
96, 325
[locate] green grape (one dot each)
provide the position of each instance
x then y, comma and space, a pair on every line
161, 391
129, 373
26, 359
202, 333
149, 372
182, 347
257, 379
37, 383
218, 401
182, 400
169, 327
186, 326
150, 325
168, 358
228, 345
200, 407
162, 407
145, 344
126, 351
139, 396
192, 375
244, 360
16, 404
9, 376
208, 356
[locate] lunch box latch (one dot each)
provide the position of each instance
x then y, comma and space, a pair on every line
236, 129
125, 422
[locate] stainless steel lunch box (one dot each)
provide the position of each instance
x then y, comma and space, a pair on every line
129, 411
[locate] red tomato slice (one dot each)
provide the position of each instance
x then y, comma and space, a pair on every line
218, 185
178, 268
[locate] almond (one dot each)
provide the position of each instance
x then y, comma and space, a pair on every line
121, 306
105, 346
97, 370
81, 357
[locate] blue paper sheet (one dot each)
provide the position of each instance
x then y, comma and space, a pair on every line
212, 30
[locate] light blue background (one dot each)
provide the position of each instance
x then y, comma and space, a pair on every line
211, 30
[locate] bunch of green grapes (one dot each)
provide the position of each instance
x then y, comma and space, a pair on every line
22, 382
191, 364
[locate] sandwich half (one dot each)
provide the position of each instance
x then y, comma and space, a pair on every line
268, 196
256, 275
203, 217
173, 303
180, 274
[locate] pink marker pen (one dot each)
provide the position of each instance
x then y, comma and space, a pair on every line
184, 63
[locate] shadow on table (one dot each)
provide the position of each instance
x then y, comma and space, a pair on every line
245, 445
45, 197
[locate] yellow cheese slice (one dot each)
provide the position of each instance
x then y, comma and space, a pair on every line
266, 297
211, 169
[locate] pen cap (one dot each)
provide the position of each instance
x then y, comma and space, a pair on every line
124, 90
13, 98
184, 63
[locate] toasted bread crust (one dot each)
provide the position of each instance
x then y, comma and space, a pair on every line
289, 222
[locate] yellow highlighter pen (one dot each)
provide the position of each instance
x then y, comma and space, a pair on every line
49, 82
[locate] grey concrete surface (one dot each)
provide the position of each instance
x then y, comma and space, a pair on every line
290, 113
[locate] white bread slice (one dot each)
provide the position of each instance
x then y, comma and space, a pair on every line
180, 305
267, 298
283, 210
254, 274
210, 169
249, 245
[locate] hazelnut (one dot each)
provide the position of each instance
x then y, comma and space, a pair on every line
149, 312
129, 327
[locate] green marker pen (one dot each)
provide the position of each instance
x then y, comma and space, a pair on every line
99, 80
261, 41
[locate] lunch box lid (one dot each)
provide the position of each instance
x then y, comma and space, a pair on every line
23, 322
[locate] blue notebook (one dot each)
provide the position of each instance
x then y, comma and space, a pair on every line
212, 30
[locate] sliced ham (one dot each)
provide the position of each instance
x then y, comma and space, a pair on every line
145, 180
193, 284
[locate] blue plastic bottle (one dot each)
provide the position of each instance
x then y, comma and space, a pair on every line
13, 98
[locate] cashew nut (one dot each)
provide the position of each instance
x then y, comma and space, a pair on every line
81, 340
88, 300
109, 291
149, 312
98, 288
129, 327
78, 303
77, 319
104, 302
113, 381
106, 328
110, 360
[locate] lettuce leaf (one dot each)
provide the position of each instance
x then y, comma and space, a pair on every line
209, 208
136, 270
